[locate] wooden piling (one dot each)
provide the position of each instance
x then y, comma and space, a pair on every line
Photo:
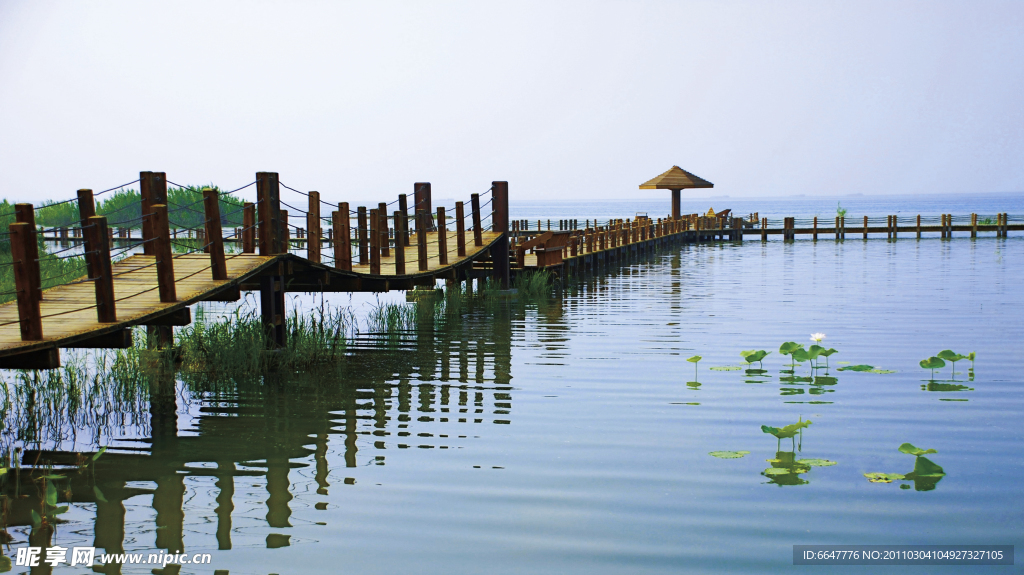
26, 214
474, 203
460, 228
342, 238
974, 225
375, 236
313, 239
382, 229
152, 191
865, 227
403, 220
764, 229
23, 240
364, 248
400, 243
248, 228
499, 224
442, 237
214, 234
918, 226
99, 269
421, 195
164, 257
268, 191
422, 225
815, 232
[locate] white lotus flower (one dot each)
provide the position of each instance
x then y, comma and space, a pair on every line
817, 337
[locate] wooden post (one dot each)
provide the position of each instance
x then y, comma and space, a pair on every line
214, 235
364, 253
268, 190
474, 203
272, 311
286, 233
974, 225
152, 191
865, 227
382, 228
676, 203
403, 207
164, 259
342, 238
248, 228
842, 226
374, 242
460, 229
764, 229
400, 243
815, 232
98, 263
421, 237
23, 240
26, 214
499, 224
313, 242
442, 237
895, 227
421, 195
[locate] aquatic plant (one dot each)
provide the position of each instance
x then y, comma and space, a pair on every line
840, 210
750, 356
926, 473
817, 337
694, 360
952, 357
789, 431
728, 454
788, 348
932, 363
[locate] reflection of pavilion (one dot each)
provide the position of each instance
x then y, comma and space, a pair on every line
447, 378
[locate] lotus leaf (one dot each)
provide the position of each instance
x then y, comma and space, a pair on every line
754, 355
859, 367
949, 355
971, 356
726, 368
876, 370
789, 347
801, 355
828, 352
728, 454
788, 431
814, 351
932, 363
694, 359
786, 470
825, 380
909, 449
883, 477
816, 462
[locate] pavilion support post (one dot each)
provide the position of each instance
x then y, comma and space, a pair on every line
268, 190
99, 268
342, 238
152, 191
23, 240
676, 203
248, 228
313, 228
442, 237
382, 229
422, 224
460, 229
474, 204
403, 208
364, 247
400, 242
421, 195
214, 235
499, 223
26, 214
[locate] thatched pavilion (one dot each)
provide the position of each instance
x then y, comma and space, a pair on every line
676, 179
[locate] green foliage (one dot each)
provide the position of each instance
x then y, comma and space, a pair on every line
949, 355
694, 359
750, 356
840, 210
916, 451
726, 368
787, 431
789, 347
816, 462
876, 477
932, 363
859, 367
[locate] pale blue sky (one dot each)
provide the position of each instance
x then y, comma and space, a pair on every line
562, 99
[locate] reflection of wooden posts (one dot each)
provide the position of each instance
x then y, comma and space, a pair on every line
214, 235
168, 499
382, 229
474, 203
499, 224
364, 248
460, 229
442, 238
164, 259
98, 264
23, 240
268, 189
374, 242
278, 510
272, 313
26, 214
249, 228
421, 195
313, 228
152, 191
400, 243
422, 219
342, 238
403, 219
225, 505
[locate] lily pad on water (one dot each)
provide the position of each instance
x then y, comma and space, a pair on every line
726, 368
728, 454
909, 449
883, 477
816, 462
694, 359
876, 370
859, 367
950, 355
786, 470
787, 431
750, 356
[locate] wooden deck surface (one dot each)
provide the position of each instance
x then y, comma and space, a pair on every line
412, 266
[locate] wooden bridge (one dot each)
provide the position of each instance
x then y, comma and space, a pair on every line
156, 288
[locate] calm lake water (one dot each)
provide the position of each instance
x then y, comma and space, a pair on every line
574, 437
